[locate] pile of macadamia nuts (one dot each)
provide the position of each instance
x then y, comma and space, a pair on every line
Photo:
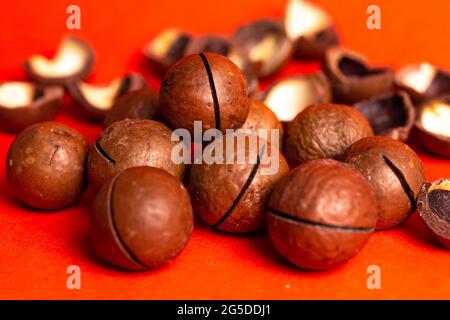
343, 169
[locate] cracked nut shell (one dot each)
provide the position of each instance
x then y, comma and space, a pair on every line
434, 209
321, 214
141, 104
167, 48
73, 60
395, 173
141, 219
352, 79
23, 104
289, 96
97, 100
46, 166
204, 87
131, 143
423, 81
391, 115
233, 196
432, 127
324, 131
266, 45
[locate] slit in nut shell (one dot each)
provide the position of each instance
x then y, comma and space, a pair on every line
24, 103
73, 60
97, 100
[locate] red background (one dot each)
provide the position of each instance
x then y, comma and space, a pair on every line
36, 248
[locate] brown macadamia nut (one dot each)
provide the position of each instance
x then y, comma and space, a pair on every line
131, 143
232, 195
321, 214
46, 165
394, 172
310, 28
142, 218
324, 131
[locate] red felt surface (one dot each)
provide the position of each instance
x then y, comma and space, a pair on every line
37, 247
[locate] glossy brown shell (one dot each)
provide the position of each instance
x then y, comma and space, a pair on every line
141, 219
321, 214
324, 131
40, 110
233, 197
131, 143
186, 94
261, 117
395, 173
141, 104
45, 165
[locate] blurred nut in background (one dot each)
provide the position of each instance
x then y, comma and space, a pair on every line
352, 79
423, 81
24, 103
131, 143
391, 115
432, 128
166, 48
265, 44
289, 96
97, 100
73, 61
